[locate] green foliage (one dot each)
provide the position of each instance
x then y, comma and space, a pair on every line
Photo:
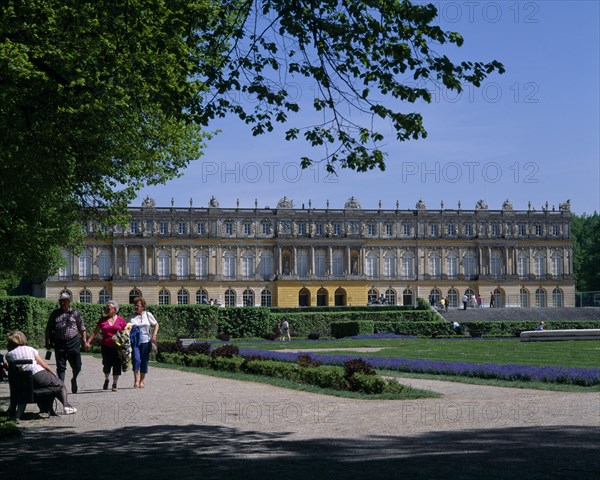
357, 365
100, 99
350, 329
365, 383
586, 251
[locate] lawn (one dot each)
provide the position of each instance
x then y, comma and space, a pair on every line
499, 351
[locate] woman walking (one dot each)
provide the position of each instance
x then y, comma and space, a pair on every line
141, 349
109, 326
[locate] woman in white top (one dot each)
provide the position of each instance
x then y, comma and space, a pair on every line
140, 355
43, 376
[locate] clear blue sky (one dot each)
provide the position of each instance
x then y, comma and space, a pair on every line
531, 134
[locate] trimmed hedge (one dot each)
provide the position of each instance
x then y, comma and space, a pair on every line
351, 329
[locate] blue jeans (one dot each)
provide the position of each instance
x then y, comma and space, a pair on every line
140, 357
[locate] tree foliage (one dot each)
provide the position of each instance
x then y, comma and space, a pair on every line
586, 252
100, 98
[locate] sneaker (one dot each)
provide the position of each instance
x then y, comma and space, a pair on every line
74, 385
114, 387
105, 386
70, 410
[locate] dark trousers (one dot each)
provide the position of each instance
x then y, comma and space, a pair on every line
68, 351
110, 360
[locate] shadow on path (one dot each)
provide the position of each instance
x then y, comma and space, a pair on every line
211, 452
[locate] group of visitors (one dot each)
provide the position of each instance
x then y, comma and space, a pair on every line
122, 343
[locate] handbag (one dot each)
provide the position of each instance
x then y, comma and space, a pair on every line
153, 348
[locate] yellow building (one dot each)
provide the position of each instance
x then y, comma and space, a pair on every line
290, 257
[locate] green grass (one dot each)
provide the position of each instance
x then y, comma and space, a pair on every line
8, 427
582, 353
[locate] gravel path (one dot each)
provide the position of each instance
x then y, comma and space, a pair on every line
196, 426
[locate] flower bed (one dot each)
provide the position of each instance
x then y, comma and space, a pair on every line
550, 374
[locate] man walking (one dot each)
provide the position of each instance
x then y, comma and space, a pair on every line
65, 332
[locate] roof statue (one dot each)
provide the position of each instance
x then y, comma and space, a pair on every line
285, 203
352, 203
213, 202
420, 205
565, 207
507, 205
481, 205
148, 202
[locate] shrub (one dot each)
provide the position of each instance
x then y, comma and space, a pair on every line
269, 336
229, 364
314, 336
307, 361
226, 351
198, 348
351, 329
270, 368
366, 383
199, 360
168, 347
223, 337
325, 377
357, 365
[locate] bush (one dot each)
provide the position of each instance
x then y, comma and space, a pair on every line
226, 351
223, 337
199, 360
168, 347
271, 368
313, 336
228, 364
351, 329
269, 336
198, 348
357, 365
366, 383
328, 376
307, 361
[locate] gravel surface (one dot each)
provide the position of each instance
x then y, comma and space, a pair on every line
196, 426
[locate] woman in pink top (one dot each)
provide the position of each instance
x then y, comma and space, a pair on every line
109, 325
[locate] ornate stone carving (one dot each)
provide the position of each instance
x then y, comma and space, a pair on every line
565, 207
507, 205
352, 203
420, 205
213, 202
148, 202
285, 203
481, 205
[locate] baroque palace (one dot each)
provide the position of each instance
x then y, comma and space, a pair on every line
294, 257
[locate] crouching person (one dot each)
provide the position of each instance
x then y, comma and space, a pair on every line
42, 374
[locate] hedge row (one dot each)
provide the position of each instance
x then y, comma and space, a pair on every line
327, 376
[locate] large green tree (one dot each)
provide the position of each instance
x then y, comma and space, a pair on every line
586, 251
99, 98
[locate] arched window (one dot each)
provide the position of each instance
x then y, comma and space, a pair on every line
104, 264
407, 297
453, 298
495, 265
183, 297
248, 298
322, 297
434, 265
133, 294
540, 264
248, 265
65, 271
522, 265
103, 296
183, 265
266, 265
435, 296
557, 298
340, 297
389, 264
372, 265
452, 265
320, 267
164, 297
202, 296
230, 298
540, 297
85, 264
304, 297
408, 265
372, 295
524, 298
85, 296
229, 265
302, 263
557, 265
266, 298
338, 263
390, 297
134, 268
498, 298
201, 265
469, 265
163, 265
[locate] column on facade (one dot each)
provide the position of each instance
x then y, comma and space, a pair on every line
348, 261
506, 261
443, 269
173, 266
256, 260
94, 260
398, 263
238, 260
191, 263
489, 260
330, 259
515, 260
548, 263
154, 260
125, 261
209, 260
479, 260
294, 260
362, 260
312, 260
115, 268
279, 260
144, 260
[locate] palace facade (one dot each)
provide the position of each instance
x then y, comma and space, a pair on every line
293, 257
